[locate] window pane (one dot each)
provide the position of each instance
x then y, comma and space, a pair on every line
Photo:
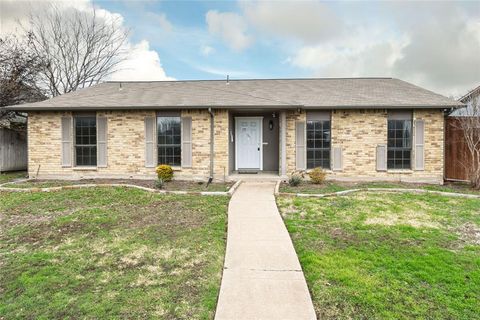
176, 139
310, 143
326, 143
85, 141
169, 140
318, 144
399, 144
86, 155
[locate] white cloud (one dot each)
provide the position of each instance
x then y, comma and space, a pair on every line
434, 45
366, 53
443, 54
15, 14
308, 21
143, 63
224, 72
162, 21
231, 27
207, 50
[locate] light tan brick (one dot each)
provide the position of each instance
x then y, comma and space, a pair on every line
358, 132
126, 146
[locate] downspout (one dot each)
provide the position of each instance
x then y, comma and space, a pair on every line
212, 135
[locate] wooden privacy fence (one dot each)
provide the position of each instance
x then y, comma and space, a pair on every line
13, 150
457, 160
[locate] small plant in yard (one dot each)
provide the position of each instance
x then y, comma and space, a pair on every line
317, 175
159, 183
164, 172
295, 179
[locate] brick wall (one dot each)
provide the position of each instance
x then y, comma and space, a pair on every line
126, 146
292, 118
359, 132
221, 163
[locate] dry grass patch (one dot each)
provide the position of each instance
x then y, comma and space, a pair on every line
413, 218
469, 233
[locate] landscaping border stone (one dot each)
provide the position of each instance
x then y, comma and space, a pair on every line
345, 192
229, 193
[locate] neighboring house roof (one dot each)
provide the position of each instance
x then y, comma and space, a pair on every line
470, 95
472, 103
327, 93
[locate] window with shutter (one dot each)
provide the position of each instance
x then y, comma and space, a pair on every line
399, 153
300, 145
85, 140
337, 159
150, 142
419, 145
382, 157
318, 139
66, 141
169, 140
186, 142
102, 142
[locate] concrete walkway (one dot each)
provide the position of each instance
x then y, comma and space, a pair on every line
262, 278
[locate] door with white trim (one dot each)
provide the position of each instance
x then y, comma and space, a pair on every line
248, 145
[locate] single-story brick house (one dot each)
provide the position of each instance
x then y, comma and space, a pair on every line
357, 129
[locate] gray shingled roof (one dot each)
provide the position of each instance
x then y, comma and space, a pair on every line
265, 93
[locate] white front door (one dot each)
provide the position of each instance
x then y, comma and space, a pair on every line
248, 143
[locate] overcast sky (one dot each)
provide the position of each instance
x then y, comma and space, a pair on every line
432, 44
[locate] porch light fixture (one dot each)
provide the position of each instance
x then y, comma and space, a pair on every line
270, 125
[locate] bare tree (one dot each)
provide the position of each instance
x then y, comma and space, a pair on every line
80, 48
469, 123
19, 74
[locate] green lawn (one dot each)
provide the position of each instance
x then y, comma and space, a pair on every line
9, 176
110, 253
388, 256
335, 186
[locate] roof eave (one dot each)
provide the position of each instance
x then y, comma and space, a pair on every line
82, 108
390, 106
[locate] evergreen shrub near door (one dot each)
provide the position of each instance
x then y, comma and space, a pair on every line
295, 180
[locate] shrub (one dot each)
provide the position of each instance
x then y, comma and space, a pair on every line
159, 183
295, 179
317, 175
164, 172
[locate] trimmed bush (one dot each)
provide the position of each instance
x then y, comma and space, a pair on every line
164, 172
317, 175
295, 180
